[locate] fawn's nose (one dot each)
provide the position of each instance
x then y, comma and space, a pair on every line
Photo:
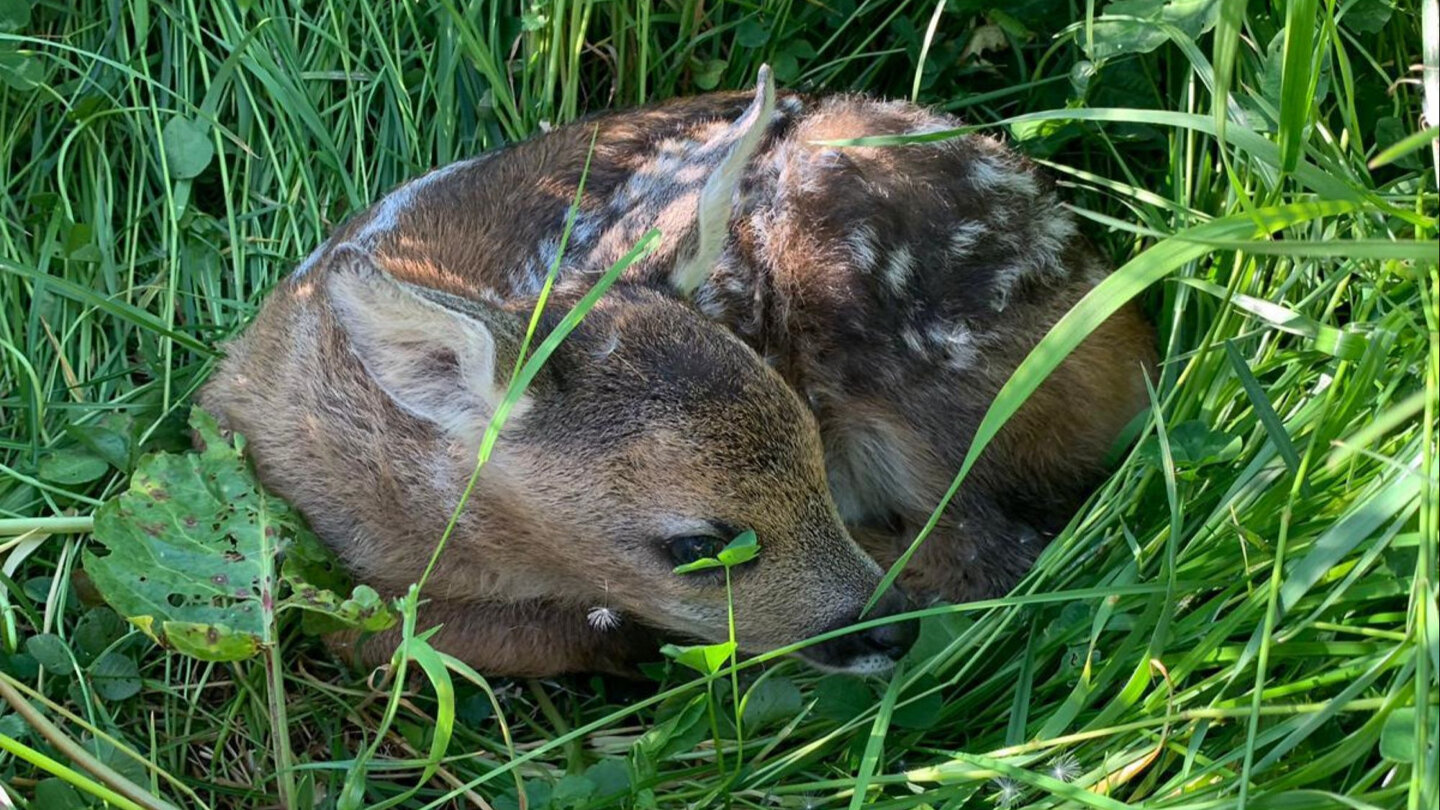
869, 651
894, 639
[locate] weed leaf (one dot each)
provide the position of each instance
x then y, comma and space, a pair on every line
187, 147
193, 547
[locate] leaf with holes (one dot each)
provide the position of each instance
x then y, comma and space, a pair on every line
193, 548
193, 542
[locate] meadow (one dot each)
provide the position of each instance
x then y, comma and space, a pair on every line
1244, 615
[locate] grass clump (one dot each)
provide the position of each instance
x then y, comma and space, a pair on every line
1244, 615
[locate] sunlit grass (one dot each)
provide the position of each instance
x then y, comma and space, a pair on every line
1244, 614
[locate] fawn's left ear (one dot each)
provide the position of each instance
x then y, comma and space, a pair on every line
717, 198
437, 362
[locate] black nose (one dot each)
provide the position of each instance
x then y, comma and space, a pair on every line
866, 652
895, 639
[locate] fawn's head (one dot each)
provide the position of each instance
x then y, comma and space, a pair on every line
650, 438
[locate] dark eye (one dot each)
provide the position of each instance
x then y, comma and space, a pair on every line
688, 549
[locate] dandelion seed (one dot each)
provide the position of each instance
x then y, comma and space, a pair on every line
603, 618
1066, 767
1007, 792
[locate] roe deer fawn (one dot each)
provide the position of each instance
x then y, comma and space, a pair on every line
806, 354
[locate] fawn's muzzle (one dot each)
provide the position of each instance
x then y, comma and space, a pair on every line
869, 651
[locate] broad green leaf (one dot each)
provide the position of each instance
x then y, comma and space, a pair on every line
937, 631
708, 73
365, 609
1194, 444
1129, 26
110, 438
702, 564
14, 726
919, 713
1397, 736
1367, 16
537, 795
193, 547
742, 549
703, 658
1397, 146
209, 642
842, 698
20, 71
572, 791
676, 735
53, 794
14, 15
52, 654
72, 465
95, 632
187, 545
188, 150
772, 700
114, 676
751, 34
611, 777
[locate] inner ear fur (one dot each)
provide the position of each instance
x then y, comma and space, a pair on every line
438, 357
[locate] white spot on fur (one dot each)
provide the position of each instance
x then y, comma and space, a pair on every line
1005, 279
990, 174
582, 233
548, 253
863, 250
913, 340
897, 270
963, 238
1039, 256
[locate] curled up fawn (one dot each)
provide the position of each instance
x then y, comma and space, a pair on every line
806, 355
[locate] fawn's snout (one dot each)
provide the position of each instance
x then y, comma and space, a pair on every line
869, 651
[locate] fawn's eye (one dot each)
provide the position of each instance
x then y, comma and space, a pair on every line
688, 549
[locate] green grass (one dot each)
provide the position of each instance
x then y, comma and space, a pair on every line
1244, 615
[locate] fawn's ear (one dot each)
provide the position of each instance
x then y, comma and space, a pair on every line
436, 358
738, 144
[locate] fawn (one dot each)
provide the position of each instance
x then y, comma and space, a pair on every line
806, 355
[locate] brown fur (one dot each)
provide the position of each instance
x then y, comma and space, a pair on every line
890, 291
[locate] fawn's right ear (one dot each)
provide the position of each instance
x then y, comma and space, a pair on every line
436, 362
737, 143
